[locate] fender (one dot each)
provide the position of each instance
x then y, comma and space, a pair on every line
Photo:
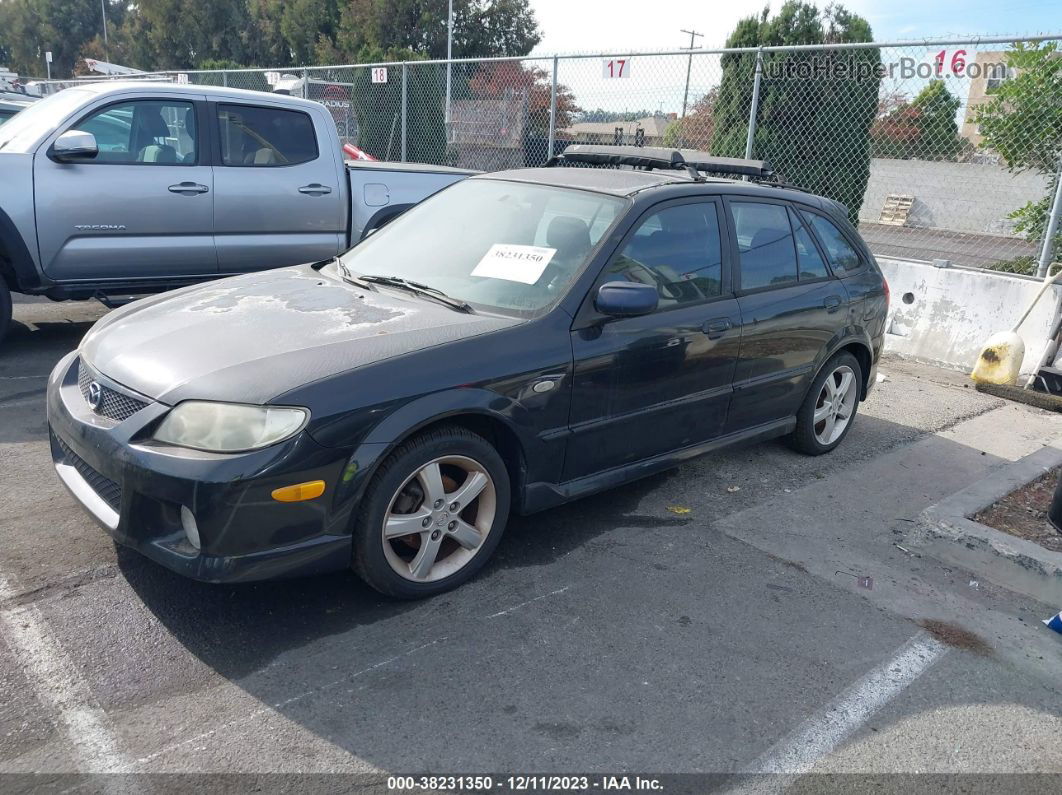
411, 418
383, 217
851, 334
27, 279
429, 409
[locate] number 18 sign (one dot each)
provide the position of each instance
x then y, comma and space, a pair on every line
616, 67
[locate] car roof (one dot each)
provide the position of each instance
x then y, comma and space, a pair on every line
628, 183
618, 182
104, 87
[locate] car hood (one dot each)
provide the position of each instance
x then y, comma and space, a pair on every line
249, 338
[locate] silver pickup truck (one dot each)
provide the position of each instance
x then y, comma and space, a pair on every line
113, 190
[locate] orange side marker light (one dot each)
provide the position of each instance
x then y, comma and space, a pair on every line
300, 491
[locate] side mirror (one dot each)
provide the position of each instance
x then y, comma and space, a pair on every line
75, 145
626, 299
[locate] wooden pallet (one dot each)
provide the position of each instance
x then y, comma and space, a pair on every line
896, 210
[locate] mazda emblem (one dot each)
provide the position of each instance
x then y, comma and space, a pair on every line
95, 395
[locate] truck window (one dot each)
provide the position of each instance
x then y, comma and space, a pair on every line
265, 137
150, 132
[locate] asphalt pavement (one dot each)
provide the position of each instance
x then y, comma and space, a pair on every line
713, 619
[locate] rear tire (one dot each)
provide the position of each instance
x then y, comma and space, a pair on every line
433, 514
830, 407
5, 309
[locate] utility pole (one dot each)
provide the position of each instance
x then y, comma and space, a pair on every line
103, 14
689, 65
449, 65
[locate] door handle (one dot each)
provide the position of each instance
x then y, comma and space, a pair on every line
832, 303
315, 189
716, 327
188, 188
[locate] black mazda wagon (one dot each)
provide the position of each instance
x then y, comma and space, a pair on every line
520, 339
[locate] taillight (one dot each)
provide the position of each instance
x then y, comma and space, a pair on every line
888, 295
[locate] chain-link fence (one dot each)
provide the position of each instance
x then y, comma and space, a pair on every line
945, 150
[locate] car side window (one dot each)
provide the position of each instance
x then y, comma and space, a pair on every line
676, 249
265, 137
145, 132
767, 254
843, 258
809, 260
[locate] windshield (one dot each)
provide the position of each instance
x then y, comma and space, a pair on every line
502, 245
40, 118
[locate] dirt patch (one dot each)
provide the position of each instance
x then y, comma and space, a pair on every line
1023, 512
956, 636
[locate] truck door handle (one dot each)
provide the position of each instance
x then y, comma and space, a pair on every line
188, 188
832, 303
315, 189
716, 327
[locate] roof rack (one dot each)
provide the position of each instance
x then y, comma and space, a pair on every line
653, 157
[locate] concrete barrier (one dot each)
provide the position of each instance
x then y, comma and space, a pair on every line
944, 315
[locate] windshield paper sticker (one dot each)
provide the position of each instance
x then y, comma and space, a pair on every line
514, 262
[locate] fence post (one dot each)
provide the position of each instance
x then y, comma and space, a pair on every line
225, 79
305, 84
405, 72
552, 109
755, 103
1047, 252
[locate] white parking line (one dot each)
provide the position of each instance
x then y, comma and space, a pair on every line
514, 608
825, 730
56, 682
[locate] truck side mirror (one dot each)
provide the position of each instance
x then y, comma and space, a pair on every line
74, 145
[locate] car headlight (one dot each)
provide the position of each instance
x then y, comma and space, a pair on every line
229, 427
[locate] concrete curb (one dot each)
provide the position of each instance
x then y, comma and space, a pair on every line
948, 534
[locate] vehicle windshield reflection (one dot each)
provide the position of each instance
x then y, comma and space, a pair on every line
507, 246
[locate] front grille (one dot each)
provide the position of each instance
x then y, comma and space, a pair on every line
113, 404
109, 491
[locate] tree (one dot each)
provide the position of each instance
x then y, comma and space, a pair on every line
378, 107
697, 129
182, 33
495, 80
29, 28
816, 106
1022, 122
924, 129
482, 28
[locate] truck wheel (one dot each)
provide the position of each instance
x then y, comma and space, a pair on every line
432, 515
5, 309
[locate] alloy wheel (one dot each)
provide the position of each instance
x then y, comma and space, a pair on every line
439, 518
835, 405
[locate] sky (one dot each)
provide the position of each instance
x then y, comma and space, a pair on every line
571, 26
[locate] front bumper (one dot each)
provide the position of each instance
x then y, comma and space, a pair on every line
135, 489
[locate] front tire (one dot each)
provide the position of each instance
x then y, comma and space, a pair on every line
828, 411
433, 514
5, 309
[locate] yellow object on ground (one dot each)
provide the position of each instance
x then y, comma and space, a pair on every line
1000, 359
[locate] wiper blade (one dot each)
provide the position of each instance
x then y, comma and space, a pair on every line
347, 275
417, 287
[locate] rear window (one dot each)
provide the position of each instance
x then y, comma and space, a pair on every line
843, 258
265, 137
